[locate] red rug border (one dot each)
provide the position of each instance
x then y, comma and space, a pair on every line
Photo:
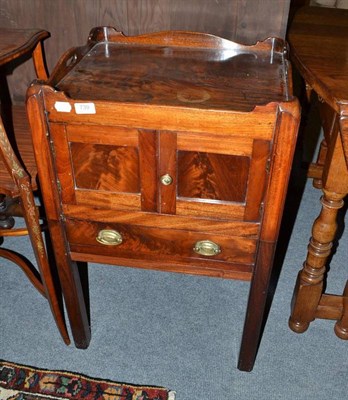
84, 376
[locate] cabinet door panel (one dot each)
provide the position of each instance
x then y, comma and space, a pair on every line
212, 176
98, 165
105, 167
222, 176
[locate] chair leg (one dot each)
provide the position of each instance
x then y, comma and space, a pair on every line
32, 220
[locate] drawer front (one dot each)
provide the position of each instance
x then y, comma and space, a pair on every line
138, 242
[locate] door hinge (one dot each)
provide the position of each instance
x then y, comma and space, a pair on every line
262, 206
53, 151
268, 165
59, 186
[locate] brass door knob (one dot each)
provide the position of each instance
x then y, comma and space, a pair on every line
207, 248
166, 180
109, 237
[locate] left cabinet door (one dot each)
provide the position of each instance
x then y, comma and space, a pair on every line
105, 166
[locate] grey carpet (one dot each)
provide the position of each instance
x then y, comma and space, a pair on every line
183, 332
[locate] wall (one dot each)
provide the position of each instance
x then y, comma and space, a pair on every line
330, 3
69, 21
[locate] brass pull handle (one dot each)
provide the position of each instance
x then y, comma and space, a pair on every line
109, 237
207, 248
166, 180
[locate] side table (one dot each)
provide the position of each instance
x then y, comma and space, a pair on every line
318, 39
169, 151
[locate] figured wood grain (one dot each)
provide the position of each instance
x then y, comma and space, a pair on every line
139, 241
105, 167
204, 175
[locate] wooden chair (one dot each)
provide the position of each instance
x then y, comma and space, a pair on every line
18, 171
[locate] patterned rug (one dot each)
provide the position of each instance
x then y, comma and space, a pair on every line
20, 382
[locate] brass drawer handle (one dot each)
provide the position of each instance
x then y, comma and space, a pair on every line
109, 237
166, 180
207, 248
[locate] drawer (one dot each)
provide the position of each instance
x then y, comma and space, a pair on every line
126, 241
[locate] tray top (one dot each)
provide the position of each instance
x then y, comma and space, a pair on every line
228, 78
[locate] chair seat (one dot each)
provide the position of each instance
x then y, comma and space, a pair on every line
24, 145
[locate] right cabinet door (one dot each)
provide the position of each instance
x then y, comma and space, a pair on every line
212, 175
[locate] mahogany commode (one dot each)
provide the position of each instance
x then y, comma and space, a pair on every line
169, 151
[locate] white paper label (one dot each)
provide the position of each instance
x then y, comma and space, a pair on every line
62, 106
84, 108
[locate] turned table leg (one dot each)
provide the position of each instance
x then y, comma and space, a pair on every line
341, 327
309, 286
